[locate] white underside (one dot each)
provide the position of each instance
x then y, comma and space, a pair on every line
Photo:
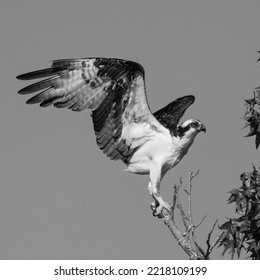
161, 151
158, 154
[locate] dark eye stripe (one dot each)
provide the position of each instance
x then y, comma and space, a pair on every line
194, 124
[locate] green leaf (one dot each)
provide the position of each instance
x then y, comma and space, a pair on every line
234, 191
257, 90
232, 198
249, 192
253, 130
258, 223
251, 102
226, 226
258, 193
231, 247
256, 215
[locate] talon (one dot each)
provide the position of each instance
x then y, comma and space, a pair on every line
160, 216
154, 205
158, 208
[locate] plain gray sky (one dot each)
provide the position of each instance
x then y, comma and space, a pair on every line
60, 197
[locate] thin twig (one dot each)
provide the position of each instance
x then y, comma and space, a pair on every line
191, 177
183, 214
203, 253
189, 196
210, 233
210, 247
200, 222
195, 240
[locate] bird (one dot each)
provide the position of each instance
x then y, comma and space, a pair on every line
125, 128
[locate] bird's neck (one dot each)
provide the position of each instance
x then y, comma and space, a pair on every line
186, 140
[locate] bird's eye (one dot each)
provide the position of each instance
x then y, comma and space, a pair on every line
194, 125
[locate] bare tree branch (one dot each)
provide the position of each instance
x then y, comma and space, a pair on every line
187, 239
184, 238
175, 194
183, 215
191, 176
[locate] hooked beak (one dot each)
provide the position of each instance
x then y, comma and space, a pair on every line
203, 128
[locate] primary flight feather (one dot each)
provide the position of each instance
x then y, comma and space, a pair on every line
125, 128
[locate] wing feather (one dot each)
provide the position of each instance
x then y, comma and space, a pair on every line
170, 115
40, 85
41, 73
40, 97
113, 89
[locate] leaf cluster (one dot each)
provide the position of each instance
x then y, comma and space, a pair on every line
243, 232
252, 115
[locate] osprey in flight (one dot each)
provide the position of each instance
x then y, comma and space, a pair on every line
125, 128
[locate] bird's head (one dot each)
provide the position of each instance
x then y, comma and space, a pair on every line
191, 128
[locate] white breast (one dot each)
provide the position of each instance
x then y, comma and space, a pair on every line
159, 150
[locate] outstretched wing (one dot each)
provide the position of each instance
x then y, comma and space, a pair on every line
80, 84
170, 115
113, 88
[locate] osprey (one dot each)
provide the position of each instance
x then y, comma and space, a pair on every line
125, 128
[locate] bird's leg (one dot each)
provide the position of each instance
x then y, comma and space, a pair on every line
154, 189
159, 205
